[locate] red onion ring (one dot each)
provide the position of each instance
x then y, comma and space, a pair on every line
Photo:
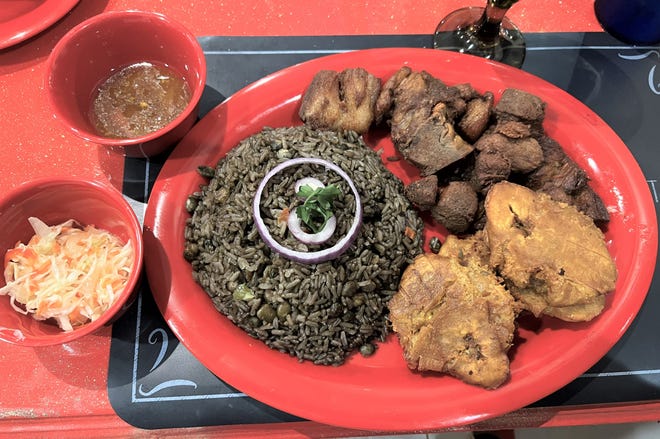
307, 257
293, 222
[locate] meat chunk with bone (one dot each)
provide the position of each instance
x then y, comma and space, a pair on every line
435, 144
422, 111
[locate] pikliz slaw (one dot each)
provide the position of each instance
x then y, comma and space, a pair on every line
66, 272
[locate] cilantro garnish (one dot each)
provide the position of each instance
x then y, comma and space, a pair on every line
317, 208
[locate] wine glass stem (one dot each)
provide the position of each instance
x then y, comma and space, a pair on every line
488, 26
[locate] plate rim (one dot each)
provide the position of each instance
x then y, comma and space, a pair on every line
33, 22
265, 393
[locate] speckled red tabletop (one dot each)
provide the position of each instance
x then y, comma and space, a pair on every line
62, 389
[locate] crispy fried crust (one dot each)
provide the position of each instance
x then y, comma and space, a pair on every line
476, 117
469, 250
341, 100
552, 256
423, 193
385, 99
422, 110
456, 207
454, 318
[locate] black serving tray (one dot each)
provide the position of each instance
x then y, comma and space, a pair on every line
155, 382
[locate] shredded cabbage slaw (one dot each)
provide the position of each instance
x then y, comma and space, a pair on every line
66, 272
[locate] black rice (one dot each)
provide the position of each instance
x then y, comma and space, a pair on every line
320, 312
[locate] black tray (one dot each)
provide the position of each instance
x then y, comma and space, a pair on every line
155, 382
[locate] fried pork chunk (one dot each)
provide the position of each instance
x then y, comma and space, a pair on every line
341, 100
552, 256
453, 316
562, 179
520, 105
456, 207
422, 110
477, 115
423, 193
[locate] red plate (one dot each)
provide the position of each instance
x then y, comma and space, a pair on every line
20, 20
380, 393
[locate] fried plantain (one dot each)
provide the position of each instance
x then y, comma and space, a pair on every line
553, 257
454, 316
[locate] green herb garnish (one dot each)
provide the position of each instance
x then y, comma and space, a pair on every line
317, 208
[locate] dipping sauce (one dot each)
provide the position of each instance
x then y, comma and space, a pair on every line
138, 100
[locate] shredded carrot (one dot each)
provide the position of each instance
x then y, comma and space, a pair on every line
67, 273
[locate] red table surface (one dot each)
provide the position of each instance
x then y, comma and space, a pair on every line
62, 389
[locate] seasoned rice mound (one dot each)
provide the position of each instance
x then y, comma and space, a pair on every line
319, 312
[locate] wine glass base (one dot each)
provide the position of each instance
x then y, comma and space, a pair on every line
456, 32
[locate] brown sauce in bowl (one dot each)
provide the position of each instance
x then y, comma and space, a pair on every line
138, 100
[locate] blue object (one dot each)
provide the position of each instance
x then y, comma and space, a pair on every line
632, 21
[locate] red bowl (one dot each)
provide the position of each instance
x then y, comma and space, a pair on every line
100, 46
55, 200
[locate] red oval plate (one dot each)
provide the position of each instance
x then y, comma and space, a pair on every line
380, 393
24, 19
